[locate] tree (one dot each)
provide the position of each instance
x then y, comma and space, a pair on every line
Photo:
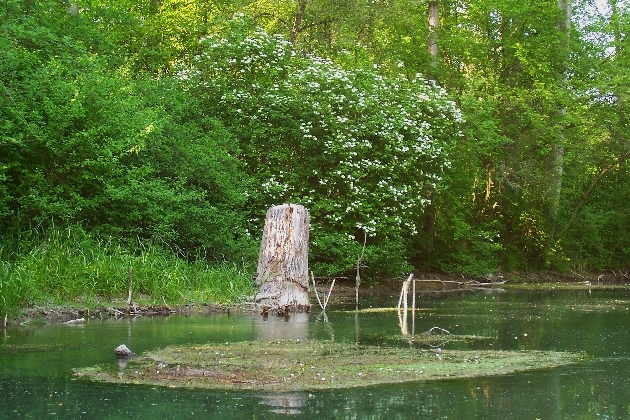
434, 18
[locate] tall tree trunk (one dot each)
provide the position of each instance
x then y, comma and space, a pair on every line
620, 86
434, 15
432, 46
557, 149
297, 21
283, 260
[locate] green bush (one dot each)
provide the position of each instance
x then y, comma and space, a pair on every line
360, 150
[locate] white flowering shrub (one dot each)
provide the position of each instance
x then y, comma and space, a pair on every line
361, 151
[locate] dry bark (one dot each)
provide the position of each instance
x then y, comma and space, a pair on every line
283, 260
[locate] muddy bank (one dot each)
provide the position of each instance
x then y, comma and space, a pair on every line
74, 314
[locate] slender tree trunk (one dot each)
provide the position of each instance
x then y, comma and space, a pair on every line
434, 15
283, 260
432, 46
590, 188
297, 21
619, 89
557, 149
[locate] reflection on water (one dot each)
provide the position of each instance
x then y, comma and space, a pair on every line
285, 403
35, 363
282, 328
122, 362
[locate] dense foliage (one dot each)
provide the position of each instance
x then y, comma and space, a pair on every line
177, 124
361, 151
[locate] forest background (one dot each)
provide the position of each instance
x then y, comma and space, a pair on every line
467, 137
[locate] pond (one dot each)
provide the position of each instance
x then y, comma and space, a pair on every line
36, 361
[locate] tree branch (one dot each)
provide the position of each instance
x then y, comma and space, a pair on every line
590, 188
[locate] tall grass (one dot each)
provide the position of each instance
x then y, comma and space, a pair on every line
70, 265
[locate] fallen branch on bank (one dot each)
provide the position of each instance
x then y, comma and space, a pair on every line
464, 284
116, 312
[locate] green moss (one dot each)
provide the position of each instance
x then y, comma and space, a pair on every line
307, 365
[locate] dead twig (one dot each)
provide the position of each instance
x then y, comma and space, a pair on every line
358, 278
130, 285
316, 292
329, 293
404, 291
438, 328
430, 332
327, 297
116, 312
166, 304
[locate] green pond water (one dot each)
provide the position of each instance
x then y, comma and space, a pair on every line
36, 362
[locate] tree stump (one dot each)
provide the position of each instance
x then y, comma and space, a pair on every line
282, 273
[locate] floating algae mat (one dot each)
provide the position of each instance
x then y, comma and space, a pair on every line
294, 365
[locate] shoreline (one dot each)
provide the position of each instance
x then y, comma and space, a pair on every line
78, 312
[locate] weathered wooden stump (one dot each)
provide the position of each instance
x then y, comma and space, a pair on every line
283, 261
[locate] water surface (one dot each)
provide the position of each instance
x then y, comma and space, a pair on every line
36, 381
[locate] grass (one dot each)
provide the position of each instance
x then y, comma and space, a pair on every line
72, 266
297, 365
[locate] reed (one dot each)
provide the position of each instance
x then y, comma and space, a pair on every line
70, 265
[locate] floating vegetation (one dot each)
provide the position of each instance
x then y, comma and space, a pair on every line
383, 310
434, 337
598, 306
294, 365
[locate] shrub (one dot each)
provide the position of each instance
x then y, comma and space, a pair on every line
360, 150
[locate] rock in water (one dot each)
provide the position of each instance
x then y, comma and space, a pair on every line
123, 351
